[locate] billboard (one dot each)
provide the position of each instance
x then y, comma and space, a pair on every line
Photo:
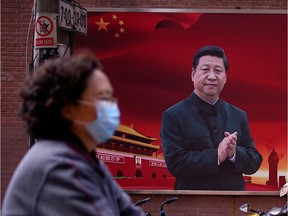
148, 57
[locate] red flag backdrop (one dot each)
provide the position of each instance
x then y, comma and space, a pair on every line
148, 58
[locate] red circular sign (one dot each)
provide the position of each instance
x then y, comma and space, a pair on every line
44, 26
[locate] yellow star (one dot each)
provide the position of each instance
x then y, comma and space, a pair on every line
102, 24
117, 35
114, 17
122, 30
121, 22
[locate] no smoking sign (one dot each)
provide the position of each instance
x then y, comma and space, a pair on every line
45, 31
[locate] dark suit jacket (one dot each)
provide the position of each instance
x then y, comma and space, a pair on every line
190, 137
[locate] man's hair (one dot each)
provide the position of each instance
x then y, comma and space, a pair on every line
55, 83
210, 51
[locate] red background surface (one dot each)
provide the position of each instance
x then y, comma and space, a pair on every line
150, 65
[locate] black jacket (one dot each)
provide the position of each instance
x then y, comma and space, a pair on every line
191, 132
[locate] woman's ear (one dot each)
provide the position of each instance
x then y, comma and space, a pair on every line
67, 112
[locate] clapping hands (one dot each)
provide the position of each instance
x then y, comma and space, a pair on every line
227, 147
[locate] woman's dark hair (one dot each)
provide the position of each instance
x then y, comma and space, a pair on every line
55, 83
210, 51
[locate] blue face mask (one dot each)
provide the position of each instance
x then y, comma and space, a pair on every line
107, 121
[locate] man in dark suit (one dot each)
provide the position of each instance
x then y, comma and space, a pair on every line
206, 141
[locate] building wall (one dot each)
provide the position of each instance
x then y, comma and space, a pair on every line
16, 52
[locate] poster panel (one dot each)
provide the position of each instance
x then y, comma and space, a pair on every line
148, 57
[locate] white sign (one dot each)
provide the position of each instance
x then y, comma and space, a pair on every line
72, 17
157, 163
45, 31
111, 158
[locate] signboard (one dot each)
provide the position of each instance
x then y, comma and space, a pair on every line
149, 55
45, 31
111, 158
157, 163
72, 17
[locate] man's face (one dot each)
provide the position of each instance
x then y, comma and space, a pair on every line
209, 77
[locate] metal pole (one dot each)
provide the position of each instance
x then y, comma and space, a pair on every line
64, 39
